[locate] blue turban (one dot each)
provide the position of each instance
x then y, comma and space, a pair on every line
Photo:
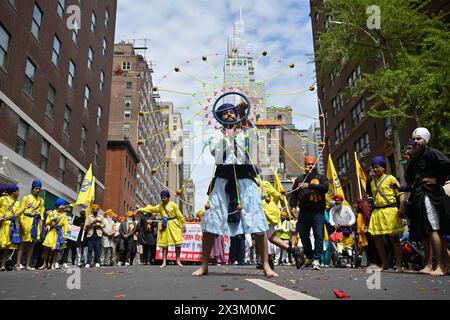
225, 107
165, 193
2, 189
60, 202
11, 188
36, 184
378, 161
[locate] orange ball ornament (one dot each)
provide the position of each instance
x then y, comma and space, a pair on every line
207, 206
154, 171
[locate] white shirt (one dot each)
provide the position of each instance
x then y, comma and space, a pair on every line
342, 215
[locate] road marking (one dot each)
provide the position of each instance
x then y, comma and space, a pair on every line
283, 292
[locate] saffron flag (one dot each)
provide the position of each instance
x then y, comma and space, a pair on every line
278, 186
86, 195
361, 174
335, 186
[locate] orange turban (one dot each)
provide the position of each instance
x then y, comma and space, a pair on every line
95, 207
310, 159
108, 212
339, 197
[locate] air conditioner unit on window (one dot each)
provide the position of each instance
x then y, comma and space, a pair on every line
365, 152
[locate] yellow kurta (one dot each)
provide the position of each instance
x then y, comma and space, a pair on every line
27, 222
172, 235
362, 238
8, 208
52, 235
271, 209
385, 220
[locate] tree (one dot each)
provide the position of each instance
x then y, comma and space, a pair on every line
412, 48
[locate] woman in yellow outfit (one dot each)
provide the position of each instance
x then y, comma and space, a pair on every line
273, 216
172, 226
385, 218
30, 222
10, 212
55, 239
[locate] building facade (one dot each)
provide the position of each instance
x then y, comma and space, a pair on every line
55, 86
135, 117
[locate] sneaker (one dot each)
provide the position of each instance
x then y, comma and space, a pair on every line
348, 265
308, 264
87, 266
127, 264
57, 266
97, 265
119, 264
326, 266
316, 265
298, 257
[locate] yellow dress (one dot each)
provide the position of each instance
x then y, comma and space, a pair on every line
172, 234
362, 238
27, 218
8, 208
55, 218
384, 219
271, 209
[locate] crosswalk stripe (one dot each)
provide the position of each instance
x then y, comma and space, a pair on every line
283, 292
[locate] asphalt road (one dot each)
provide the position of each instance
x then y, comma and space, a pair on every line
243, 283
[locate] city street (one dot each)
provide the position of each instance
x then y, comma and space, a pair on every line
243, 283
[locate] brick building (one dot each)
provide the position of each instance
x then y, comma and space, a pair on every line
55, 86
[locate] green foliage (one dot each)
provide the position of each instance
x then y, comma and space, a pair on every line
414, 83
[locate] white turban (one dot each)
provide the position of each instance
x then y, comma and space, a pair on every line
423, 133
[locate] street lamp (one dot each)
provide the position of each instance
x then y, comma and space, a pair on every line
397, 145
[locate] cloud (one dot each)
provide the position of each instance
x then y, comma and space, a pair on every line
182, 31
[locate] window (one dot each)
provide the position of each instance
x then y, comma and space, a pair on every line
72, 68
362, 146
96, 154
354, 76
83, 138
341, 132
66, 123
93, 21
102, 81
325, 117
87, 96
50, 102
30, 73
129, 85
126, 128
343, 163
99, 115
4, 46
13, 3
75, 32
104, 46
90, 58
126, 65
60, 9
22, 134
387, 127
79, 180
56, 50
37, 20
338, 103
45, 147
358, 112
127, 114
106, 17
62, 168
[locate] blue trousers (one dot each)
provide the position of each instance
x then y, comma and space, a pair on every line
305, 222
94, 244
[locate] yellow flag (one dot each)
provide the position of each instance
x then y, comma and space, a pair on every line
361, 175
86, 196
278, 186
335, 186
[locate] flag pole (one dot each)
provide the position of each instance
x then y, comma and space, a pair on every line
357, 175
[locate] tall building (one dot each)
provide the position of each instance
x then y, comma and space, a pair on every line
189, 204
173, 160
239, 70
313, 149
55, 86
131, 95
347, 126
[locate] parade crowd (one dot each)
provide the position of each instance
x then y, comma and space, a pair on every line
393, 226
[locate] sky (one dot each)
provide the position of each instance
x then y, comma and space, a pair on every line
180, 32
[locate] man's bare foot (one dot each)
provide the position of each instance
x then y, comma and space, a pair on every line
383, 268
163, 265
2, 269
427, 270
200, 272
42, 267
29, 269
399, 269
269, 273
53, 267
179, 264
438, 272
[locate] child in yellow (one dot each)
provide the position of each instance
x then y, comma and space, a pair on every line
273, 216
385, 218
172, 226
10, 212
30, 222
55, 239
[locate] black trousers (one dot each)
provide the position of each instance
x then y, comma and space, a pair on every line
72, 248
127, 250
237, 249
